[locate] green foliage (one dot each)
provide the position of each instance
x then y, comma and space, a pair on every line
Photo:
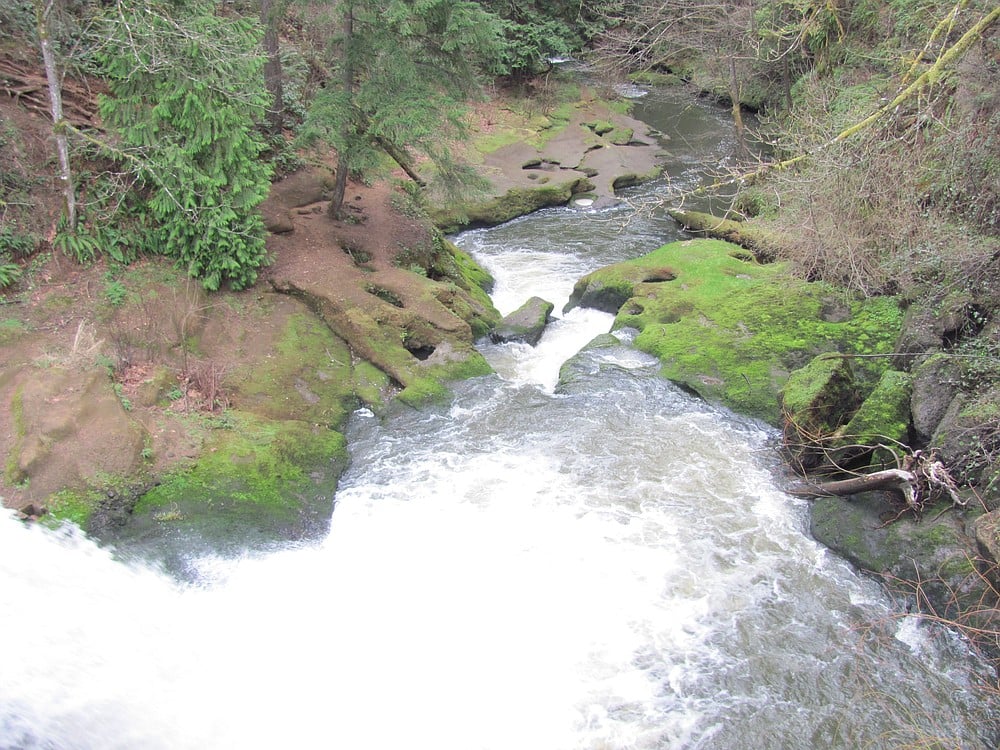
185, 89
535, 31
410, 67
80, 244
14, 244
9, 274
115, 292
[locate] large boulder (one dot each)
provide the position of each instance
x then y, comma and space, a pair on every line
935, 385
986, 530
933, 554
968, 441
813, 402
526, 324
884, 415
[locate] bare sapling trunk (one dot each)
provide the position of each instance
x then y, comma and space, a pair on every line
336, 208
56, 109
272, 67
734, 95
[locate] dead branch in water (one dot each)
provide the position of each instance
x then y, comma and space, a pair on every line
920, 478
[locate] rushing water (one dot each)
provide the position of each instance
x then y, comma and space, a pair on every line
605, 564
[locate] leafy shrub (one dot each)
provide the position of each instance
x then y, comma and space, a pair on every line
9, 274
15, 244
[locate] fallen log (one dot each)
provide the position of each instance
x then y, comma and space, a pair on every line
889, 479
920, 479
754, 239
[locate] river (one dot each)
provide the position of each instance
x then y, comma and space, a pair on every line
605, 563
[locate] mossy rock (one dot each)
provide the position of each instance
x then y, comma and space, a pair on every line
517, 201
258, 481
815, 397
431, 378
526, 324
884, 415
814, 401
935, 383
731, 329
582, 365
967, 440
600, 127
310, 378
933, 551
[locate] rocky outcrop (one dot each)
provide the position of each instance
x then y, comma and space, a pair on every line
731, 329
592, 151
63, 424
526, 324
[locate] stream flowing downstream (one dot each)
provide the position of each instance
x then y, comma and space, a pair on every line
602, 564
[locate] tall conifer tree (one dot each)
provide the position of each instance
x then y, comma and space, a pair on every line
405, 70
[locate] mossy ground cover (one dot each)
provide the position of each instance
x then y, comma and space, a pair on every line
261, 463
732, 330
309, 377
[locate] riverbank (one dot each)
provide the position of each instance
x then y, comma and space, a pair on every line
124, 384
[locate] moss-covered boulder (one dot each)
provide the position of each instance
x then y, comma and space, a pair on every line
986, 530
813, 402
934, 551
884, 415
968, 441
257, 480
815, 398
517, 201
935, 385
526, 324
585, 362
731, 329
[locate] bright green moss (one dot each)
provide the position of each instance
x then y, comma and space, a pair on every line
310, 379
885, 413
731, 329
257, 462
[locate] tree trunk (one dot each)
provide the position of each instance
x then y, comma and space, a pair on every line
402, 159
734, 94
890, 479
786, 79
272, 67
921, 478
336, 207
56, 110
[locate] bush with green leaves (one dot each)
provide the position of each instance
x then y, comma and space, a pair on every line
186, 88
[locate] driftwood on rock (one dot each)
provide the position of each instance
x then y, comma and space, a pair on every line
920, 479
